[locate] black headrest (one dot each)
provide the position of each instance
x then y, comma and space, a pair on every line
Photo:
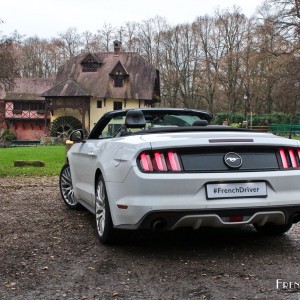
135, 119
200, 123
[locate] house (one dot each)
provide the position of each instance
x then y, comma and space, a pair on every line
85, 88
93, 83
23, 110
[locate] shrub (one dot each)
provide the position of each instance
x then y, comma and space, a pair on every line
257, 120
6, 138
230, 117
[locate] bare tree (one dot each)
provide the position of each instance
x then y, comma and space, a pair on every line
179, 64
8, 69
288, 87
131, 42
72, 42
209, 64
57, 53
150, 38
232, 27
88, 38
106, 36
170, 79
277, 41
282, 13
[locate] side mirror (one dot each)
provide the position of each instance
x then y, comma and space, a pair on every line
76, 136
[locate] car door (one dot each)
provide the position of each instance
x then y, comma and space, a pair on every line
82, 159
84, 156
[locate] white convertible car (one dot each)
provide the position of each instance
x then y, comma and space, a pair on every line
163, 169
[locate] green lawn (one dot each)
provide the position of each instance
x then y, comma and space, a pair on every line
52, 156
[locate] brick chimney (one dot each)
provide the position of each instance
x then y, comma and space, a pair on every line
117, 47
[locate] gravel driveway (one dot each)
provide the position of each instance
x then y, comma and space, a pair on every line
50, 252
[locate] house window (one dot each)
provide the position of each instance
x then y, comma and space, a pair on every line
99, 104
117, 105
40, 106
18, 105
89, 66
118, 80
148, 103
25, 106
33, 106
36, 106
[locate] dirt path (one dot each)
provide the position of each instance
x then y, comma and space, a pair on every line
50, 252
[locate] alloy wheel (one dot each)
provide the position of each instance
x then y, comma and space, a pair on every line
66, 187
100, 208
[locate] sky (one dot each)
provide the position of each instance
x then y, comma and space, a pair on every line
48, 18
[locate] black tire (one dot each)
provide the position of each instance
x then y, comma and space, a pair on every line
273, 229
66, 187
104, 226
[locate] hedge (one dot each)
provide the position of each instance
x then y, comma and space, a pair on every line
257, 120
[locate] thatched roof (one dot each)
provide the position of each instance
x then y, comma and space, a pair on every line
72, 81
67, 88
28, 89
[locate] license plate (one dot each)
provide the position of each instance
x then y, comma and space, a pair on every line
236, 190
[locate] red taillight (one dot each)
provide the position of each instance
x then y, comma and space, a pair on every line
174, 162
290, 158
146, 162
159, 161
293, 158
283, 158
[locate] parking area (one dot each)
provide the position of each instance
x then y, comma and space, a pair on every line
50, 252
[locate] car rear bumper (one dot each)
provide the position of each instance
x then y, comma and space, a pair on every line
170, 220
180, 200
